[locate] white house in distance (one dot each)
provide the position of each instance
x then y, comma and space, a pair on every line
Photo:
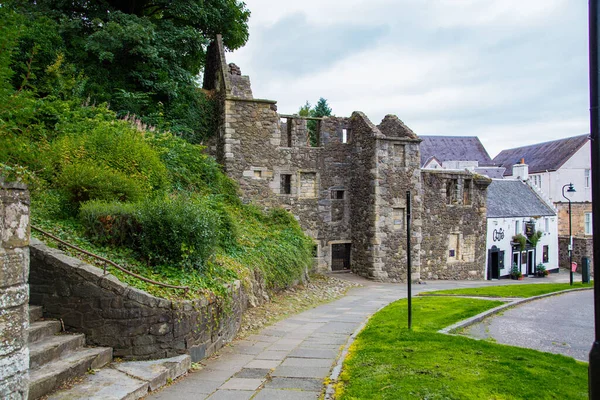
513, 207
551, 165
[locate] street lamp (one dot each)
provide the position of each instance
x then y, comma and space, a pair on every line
570, 190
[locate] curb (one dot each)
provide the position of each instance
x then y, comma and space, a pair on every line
480, 317
337, 369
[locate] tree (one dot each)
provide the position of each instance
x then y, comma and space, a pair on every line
305, 110
139, 56
321, 109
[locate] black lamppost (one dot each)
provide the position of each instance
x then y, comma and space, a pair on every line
570, 189
594, 16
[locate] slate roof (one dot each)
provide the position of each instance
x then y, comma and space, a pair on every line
541, 157
491, 172
454, 148
513, 198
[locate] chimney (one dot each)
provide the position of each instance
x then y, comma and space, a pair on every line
521, 170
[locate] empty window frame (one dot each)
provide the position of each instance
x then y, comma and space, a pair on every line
344, 135
289, 123
452, 191
257, 174
338, 194
453, 246
286, 184
467, 192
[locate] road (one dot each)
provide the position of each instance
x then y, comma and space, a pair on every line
562, 324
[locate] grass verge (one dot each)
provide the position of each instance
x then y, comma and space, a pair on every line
389, 362
523, 290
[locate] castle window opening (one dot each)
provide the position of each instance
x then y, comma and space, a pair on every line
452, 191
467, 192
289, 122
257, 174
344, 136
337, 194
453, 243
286, 184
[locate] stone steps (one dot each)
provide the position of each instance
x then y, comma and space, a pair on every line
56, 357
50, 376
126, 380
35, 313
41, 329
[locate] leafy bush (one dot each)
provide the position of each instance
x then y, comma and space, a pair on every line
179, 230
84, 181
110, 223
114, 145
190, 169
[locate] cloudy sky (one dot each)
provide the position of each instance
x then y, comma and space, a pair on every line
513, 72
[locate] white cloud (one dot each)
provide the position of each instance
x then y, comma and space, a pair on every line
512, 72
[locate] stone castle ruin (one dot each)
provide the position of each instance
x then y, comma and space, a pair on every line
349, 192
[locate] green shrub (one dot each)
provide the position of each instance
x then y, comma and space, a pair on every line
111, 223
191, 170
84, 181
113, 145
227, 229
180, 230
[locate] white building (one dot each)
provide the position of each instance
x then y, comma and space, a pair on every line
551, 165
513, 207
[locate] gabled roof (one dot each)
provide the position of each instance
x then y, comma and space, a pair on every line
430, 160
513, 198
541, 157
454, 148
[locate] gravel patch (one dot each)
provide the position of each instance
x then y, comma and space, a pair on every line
319, 290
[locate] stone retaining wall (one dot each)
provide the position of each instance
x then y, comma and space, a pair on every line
14, 309
582, 247
134, 323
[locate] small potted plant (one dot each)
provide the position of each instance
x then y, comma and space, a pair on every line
515, 272
541, 271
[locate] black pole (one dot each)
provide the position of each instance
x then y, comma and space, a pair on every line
408, 260
570, 247
594, 366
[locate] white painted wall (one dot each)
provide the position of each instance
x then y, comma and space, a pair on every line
507, 226
572, 171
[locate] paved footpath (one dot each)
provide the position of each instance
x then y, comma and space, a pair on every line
290, 359
562, 324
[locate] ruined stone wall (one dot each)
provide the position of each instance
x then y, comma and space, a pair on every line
398, 172
14, 309
454, 225
582, 247
134, 323
362, 201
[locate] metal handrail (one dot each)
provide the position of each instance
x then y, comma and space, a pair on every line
106, 261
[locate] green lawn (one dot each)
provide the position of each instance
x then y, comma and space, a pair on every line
519, 290
389, 362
